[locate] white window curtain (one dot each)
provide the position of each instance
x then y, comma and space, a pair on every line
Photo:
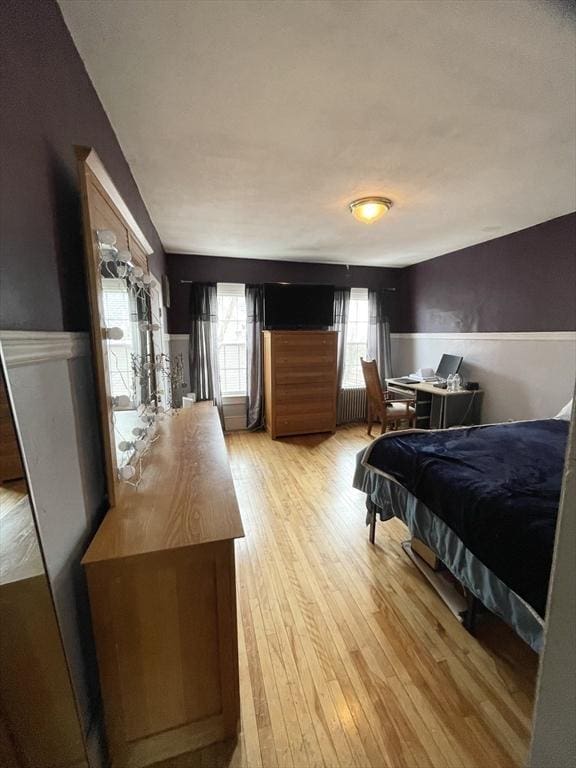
231, 340
356, 338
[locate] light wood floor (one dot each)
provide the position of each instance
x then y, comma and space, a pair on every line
347, 657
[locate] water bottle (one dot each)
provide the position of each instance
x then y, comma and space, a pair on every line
450, 382
457, 382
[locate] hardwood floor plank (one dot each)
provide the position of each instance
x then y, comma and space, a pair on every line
348, 659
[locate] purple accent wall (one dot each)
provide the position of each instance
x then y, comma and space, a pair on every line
525, 281
212, 269
48, 105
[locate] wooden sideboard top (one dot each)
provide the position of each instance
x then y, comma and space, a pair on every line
186, 496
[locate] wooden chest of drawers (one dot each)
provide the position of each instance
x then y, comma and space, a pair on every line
300, 381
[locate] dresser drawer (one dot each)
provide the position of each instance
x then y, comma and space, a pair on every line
297, 393
305, 357
298, 341
305, 374
307, 423
320, 406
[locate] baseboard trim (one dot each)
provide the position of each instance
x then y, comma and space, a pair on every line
32, 347
496, 336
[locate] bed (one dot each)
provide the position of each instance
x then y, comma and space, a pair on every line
484, 499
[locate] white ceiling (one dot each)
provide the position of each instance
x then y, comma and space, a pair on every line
249, 126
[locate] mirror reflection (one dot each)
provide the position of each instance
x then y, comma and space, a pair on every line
133, 370
39, 726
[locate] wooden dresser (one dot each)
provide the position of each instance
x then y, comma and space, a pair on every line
300, 381
163, 598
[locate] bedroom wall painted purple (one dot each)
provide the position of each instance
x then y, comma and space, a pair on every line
521, 282
48, 105
525, 281
227, 270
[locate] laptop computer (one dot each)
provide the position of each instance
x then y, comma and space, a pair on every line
448, 364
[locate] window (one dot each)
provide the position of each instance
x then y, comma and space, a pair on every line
356, 338
119, 313
232, 338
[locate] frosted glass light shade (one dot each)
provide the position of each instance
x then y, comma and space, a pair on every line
369, 209
114, 333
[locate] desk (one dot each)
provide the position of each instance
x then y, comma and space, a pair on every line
438, 408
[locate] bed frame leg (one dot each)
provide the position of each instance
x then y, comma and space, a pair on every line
373, 527
469, 619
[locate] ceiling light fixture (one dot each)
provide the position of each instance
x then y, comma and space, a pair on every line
369, 209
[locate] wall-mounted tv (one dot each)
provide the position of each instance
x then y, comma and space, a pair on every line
290, 306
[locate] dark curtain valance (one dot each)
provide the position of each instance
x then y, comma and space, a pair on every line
203, 347
254, 372
203, 302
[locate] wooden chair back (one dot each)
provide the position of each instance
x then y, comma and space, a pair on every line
383, 404
374, 391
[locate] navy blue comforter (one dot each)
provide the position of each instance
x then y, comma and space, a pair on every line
497, 487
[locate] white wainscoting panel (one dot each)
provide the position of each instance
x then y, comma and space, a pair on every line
523, 375
234, 410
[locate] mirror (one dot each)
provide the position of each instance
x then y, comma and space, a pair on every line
130, 350
39, 724
136, 380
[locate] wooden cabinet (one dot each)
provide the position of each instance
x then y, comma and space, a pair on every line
162, 588
300, 381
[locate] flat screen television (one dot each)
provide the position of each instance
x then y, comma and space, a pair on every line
288, 306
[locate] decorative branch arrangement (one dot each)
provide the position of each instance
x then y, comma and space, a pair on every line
171, 370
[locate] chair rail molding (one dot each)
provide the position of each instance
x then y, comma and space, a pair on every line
492, 335
31, 347
472, 336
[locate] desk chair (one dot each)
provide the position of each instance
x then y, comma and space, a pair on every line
384, 405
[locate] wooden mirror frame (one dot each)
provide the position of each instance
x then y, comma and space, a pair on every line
104, 208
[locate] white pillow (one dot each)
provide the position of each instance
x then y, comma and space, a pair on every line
565, 412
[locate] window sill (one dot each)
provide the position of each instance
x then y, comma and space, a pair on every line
234, 398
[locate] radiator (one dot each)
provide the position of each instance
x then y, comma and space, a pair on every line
351, 405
